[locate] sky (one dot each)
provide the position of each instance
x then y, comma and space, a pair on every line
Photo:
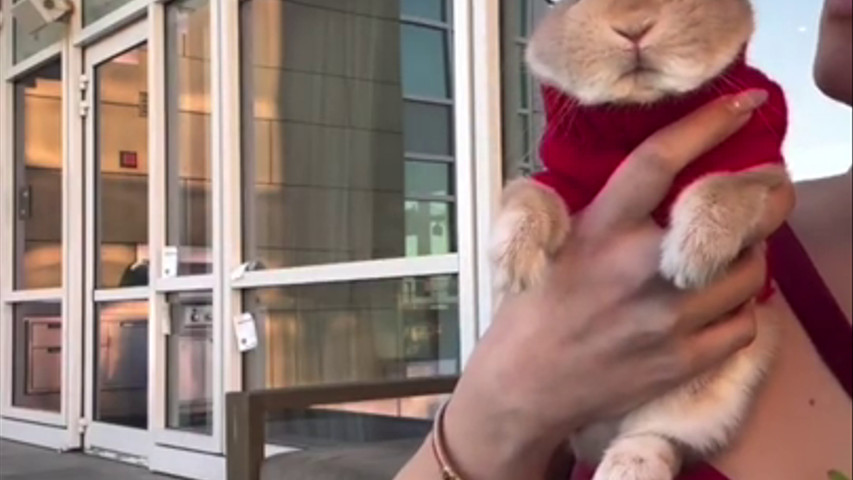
819, 144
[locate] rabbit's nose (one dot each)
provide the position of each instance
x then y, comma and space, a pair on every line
634, 33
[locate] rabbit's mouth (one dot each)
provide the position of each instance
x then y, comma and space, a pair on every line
641, 69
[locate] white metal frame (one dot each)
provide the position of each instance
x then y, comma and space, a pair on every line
57, 429
109, 23
106, 38
478, 164
464, 263
101, 436
488, 141
213, 443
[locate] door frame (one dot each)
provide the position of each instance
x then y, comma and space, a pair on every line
132, 445
59, 430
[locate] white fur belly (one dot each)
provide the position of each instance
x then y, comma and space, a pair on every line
701, 416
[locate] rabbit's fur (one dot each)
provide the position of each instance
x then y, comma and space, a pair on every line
578, 49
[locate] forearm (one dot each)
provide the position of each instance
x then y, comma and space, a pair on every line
484, 445
422, 466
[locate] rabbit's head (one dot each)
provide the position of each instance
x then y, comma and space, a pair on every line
637, 51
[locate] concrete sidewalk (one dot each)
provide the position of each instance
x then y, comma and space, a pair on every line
20, 462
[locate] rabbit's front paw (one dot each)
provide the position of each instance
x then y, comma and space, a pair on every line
531, 227
641, 458
695, 254
712, 222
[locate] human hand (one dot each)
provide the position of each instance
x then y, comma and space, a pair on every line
603, 333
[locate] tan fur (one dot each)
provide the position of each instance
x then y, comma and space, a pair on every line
532, 225
579, 48
713, 221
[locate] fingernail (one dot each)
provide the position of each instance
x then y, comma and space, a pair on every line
749, 100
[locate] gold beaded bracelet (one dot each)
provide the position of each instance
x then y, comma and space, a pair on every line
438, 447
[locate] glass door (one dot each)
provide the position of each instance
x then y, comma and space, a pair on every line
117, 260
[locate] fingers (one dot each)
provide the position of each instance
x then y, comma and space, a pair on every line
643, 180
743, 282
719, 341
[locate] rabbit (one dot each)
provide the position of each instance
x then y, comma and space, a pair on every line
611, 61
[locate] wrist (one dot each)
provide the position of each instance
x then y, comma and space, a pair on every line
487, 443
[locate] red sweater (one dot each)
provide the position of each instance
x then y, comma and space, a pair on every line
583, 145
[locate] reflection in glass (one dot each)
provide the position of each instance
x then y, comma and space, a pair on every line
37, 350
28, 43
429, 128
332, 123
189, 172
429, 179
38, 179
426, 70
353, 332
121, 369
97, 9
427, 9
189, 391
524, 114
429, 228
121, 88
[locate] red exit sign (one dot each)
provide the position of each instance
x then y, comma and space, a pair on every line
128, 160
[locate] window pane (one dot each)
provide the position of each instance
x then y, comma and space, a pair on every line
323, 142
522, 104
189, 175
190, 363
425, 9
426, 179
349, 332
425, 64
96, 9
38, 179
353, 332
27, 43
122, 157
428, 128
121, 369
429, 228
37, 349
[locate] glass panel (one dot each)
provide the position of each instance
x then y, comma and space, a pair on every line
37, 352
122, 157
522, 99
27, 42
190, 363
96, 9
428, 128
352, 332
429, 228
189, 180
425, 63
425, 9
396, 422
523, 17
38, 179
429, 179
121, 368
324, 115
524, 81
